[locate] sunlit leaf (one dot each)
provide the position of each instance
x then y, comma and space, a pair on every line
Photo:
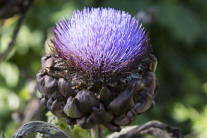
23, 94
9, 101
10, 72
78, 132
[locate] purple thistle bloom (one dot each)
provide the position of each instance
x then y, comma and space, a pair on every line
101, 41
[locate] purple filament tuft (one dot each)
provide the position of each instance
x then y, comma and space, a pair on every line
101, 41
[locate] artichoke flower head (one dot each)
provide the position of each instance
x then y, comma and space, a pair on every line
101, 70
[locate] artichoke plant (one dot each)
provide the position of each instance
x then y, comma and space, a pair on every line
101, 69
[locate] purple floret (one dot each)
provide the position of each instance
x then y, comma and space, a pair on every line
101, 41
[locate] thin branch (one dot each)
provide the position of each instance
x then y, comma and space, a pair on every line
16, 31
11, 44
1, 24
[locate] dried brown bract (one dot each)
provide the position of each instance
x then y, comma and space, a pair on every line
111, 102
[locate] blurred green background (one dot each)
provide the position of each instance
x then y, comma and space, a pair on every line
178, 31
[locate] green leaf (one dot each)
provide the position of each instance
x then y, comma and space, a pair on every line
9, 101
10, 73
78, 132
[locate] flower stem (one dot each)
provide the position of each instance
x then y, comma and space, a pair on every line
96, 132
